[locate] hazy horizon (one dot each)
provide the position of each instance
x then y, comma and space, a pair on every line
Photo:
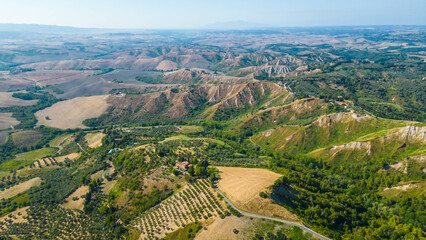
132, 14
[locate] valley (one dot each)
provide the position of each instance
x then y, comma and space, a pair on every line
304, 133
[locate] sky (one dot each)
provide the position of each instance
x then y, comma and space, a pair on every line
188, 14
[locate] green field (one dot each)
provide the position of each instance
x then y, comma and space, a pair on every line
25, 159
32, 171
58, 140
36, 154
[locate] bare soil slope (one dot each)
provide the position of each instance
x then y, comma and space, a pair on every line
6, 100
223, 229
177, 104
72, 113
7, 121
47, 77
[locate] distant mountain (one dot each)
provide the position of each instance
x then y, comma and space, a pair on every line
236, 25
38, 28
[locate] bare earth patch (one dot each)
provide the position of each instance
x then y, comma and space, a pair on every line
6, 100
22, 187
77, 204
7, 121
51, 77
223, 228
404, 187
94, 140
243, 185
71, 113
408, 189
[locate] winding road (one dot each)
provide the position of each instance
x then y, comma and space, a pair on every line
304, 228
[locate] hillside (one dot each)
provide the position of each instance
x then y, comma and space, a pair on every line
210, 102
396, 143
211, 134
325, 131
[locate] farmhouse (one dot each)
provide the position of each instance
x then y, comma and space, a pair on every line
182, 165
341, 103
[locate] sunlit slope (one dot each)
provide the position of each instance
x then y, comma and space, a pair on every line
343, 136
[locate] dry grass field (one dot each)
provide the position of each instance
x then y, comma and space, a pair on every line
72, 157
223, 228
6, 100
7, 121
107, 186
96, 175
51, 77
243, 185
71, 113
22, 187
77, 204
247, 227
94, 140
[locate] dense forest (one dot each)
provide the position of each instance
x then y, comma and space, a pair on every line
391, 89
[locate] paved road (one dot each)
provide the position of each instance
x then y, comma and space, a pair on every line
304, 228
